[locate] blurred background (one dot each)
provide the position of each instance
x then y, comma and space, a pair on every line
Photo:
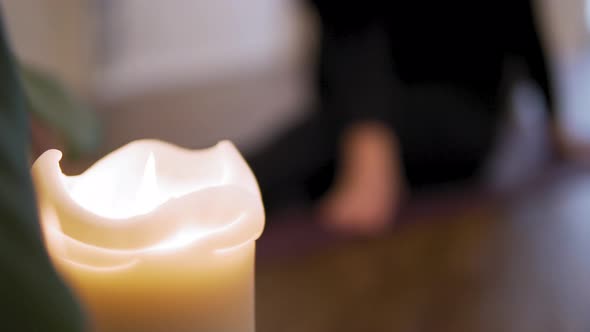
191, 70
511, 256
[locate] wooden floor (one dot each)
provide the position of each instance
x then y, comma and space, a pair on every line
519, 263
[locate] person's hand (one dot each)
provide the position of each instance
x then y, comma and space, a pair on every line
365, 196
570, 148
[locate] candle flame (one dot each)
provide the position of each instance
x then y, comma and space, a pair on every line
147, 197
90, 193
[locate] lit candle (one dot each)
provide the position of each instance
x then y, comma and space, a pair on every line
154, 237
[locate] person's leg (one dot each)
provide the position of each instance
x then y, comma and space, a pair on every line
445, 135
297, 167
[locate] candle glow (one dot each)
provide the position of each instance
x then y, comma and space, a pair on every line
150, 226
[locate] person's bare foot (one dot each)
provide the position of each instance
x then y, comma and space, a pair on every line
366, 208
365, 196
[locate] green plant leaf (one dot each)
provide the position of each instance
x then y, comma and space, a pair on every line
77, 125
32, 297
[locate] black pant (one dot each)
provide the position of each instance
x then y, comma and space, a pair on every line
444, 135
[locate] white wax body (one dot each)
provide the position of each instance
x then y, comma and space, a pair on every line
211, 292
155, 238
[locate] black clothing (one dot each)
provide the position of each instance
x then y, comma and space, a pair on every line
431, 70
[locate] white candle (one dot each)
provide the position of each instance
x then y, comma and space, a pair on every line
154, 237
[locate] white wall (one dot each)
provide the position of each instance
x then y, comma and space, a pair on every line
188, 71
154, 44
194, 72
56, 36
567, 26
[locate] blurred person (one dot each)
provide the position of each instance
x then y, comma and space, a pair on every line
411, 95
